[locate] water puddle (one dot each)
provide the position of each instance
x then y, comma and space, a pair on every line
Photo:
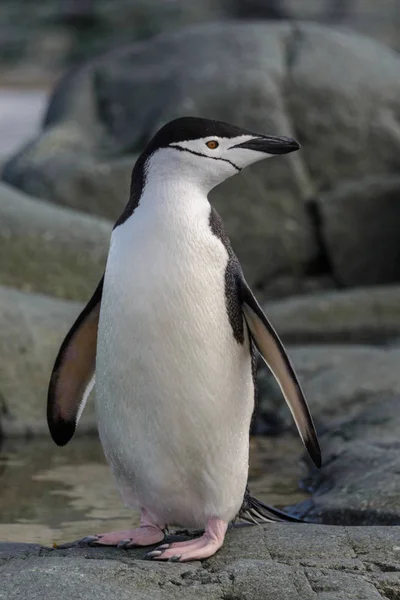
50, 494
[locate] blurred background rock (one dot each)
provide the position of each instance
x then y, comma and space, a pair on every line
37, 41
84, 84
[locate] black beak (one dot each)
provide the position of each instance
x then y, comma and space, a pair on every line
270, 144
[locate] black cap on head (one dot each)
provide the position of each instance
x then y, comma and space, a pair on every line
193, 128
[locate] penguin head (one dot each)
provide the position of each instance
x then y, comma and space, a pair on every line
207, 152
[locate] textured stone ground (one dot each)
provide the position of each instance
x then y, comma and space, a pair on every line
277, 562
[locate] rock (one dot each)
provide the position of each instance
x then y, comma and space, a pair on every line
288, 561
368, 315
353, 395
359, 484
63, 33
340, 382
48, 249
32, 329
105, 113
330, 377
62, 169
347, 129
363, 16
100, 117
359, 223
289, 285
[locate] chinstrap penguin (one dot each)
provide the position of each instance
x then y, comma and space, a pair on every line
170, 335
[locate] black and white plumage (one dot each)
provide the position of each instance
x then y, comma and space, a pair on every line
169, 335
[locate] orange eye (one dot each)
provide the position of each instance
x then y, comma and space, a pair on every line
212, 144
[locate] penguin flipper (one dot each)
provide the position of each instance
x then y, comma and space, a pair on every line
73, 374
273, 352
257, 512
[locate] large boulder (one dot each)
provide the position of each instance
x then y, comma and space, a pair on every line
360, 222
100, 117
370, 314
50, 249
285, 562
36, 44
341, 382
377, 20
32, 329
359, 484
353, 395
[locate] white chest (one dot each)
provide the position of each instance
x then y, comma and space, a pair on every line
174, 388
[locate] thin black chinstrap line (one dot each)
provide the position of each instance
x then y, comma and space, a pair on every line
206, 156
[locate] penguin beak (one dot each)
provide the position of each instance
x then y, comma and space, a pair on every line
270, 144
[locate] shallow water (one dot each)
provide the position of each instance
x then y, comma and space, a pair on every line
50, 494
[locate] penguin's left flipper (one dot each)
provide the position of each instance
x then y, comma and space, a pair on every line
72, 378
272, 351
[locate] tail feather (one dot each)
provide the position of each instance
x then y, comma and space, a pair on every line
255, 511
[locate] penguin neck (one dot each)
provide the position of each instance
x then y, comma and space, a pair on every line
172, 195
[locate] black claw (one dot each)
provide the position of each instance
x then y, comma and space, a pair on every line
89, 539
175, 558
154, 554
163, 547
124, 543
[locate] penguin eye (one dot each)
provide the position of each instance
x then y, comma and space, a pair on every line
212, 144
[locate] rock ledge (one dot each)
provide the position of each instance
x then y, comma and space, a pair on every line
279, 562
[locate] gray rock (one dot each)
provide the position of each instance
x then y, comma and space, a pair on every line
100, 117
379, 21
104, 114
360, 222
370, 314
353, 395
43, 43
359, 482
32, 329
74, 29
348, 130
330, 377
47, 249
340, 381
286, 561
288, 285
61, 169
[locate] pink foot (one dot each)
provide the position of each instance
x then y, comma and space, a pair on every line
202, 547
146, 534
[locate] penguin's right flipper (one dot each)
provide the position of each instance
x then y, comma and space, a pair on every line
273, 352
73, 373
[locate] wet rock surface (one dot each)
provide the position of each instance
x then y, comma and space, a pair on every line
359, 483
267, 562
353, 393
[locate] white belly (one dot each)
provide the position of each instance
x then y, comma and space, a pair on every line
174, 389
